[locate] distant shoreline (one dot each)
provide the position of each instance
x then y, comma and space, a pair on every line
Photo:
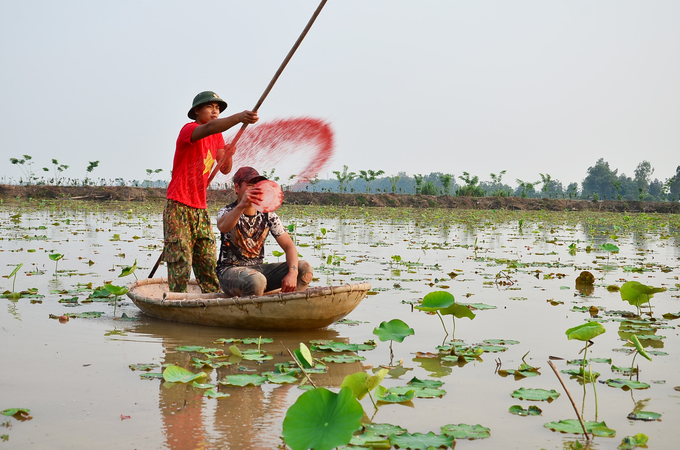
9, 193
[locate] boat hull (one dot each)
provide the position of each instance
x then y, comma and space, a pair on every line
314, 308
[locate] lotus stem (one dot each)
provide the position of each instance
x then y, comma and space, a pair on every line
592, 381
441, 319
580, 419
300, 366
632, 366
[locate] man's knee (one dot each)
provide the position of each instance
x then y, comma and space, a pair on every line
242, 282
306, 273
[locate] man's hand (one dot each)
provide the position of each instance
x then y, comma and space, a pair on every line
252, 195
226, 155
248, 117
289, 282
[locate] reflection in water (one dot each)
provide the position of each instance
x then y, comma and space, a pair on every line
245, 418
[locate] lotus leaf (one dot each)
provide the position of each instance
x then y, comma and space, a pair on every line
420, 441
143, 366
203, 385
212, 393
128, 270
322, 420
535, 394
343, 358
13, 411
531, 411
361, 383
415, 382
116, 290
644, 415
464, 431
151, 376
304, 356
174, 374
492, 348
420, 392
281, 378
394, 330
55, 256
435, 301
457, 310
574, 426
609, 248
639, 347
479, 306
500, 342
585, 331
243, 380
384, 395
383, 429
370, 440
189, 348
630, 442
637, 293
626, 384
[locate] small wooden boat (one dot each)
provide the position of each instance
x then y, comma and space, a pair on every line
316, 307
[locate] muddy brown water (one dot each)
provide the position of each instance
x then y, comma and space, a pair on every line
75, 377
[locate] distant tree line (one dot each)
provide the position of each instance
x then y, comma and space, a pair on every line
600, 183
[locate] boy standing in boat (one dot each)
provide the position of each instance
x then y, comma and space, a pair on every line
240, 267
188, 237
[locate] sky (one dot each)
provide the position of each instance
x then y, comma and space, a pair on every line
447, 86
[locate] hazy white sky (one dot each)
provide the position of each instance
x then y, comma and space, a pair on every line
413, 86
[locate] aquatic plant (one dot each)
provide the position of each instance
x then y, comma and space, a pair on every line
394, 330
55, 257
585, 333
638, 294
444, 303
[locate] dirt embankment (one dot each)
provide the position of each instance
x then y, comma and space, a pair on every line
138, 194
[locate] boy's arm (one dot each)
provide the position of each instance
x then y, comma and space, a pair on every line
289, 282
229, 150
221, 125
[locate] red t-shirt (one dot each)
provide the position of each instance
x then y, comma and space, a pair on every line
192, 166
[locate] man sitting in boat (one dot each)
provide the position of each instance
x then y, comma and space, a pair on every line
240, 267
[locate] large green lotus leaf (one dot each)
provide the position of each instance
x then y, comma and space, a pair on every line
585, 331
420, 441
116, 290
458, 310
55, 256
530, 411
435, 301
362, 383
394, 330
464, 431
322, 420
174, 374
644, 415
415, 382
639, 347
128, 270
574, 426
630, 442
637, 293
384, 395
535, 394
257, 340
626, 384
243, 380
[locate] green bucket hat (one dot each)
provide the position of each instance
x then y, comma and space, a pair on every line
206, 97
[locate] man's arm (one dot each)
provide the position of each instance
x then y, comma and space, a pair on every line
229, 150
229, 220
221, 125
289, 282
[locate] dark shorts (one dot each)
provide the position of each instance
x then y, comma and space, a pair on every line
243, 281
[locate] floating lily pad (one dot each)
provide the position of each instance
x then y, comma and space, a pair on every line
421, 441
644, 415
243, 380
500, 342
415, 382
464, 431
361, 383
212, 393
420, 392
530, 411
142, 366
343, 358
626, 384
394, 330
535, 394
203, 385
151, 376
14, 411
574, 426
384, 395
174, 374
189, 348
631, 442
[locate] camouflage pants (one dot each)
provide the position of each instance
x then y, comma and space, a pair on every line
243, 281
189, 242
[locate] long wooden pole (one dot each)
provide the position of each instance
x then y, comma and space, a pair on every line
257, 106
573, 404
270, 86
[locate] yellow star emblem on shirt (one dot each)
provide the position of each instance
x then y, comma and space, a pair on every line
208, 161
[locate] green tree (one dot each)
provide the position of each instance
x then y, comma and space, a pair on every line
90, 168
429, 189
25, 164
526, 188
599, 180
470, 189
643, 176
674, 185
419, 182
368, 176
393, 182
344, 177
446, 181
